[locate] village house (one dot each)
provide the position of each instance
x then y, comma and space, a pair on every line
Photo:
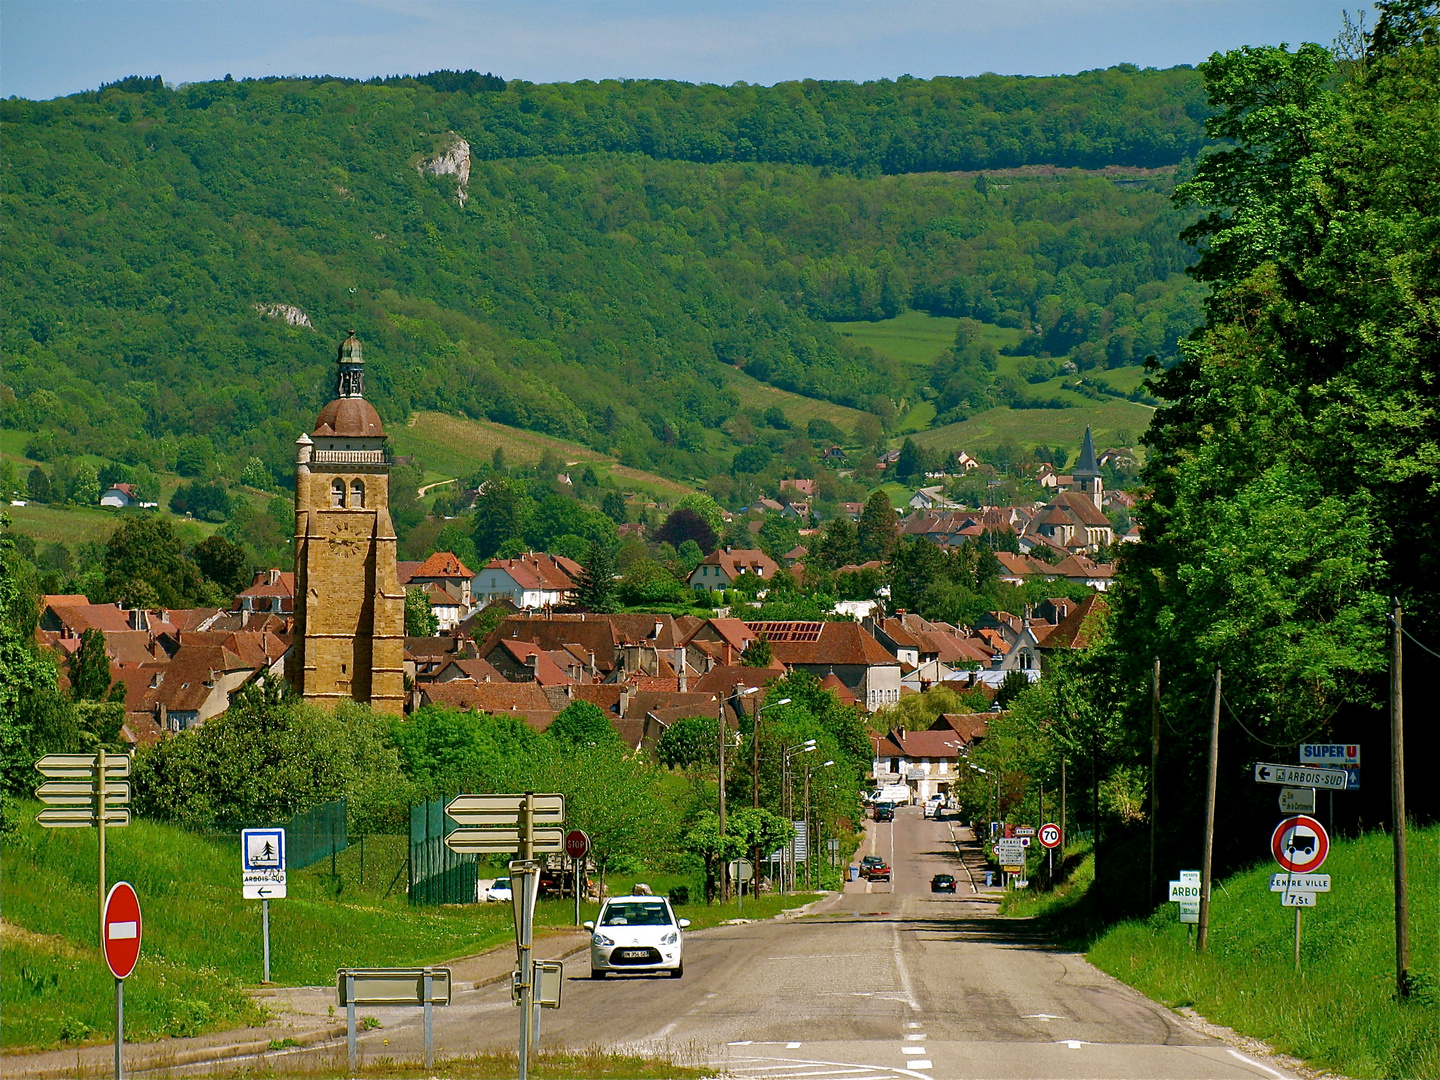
272, 591
723, 567
841, 648
927, 762
442, 570
532, 581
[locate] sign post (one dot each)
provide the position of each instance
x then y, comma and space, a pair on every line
120, 932
506, 823
262, 877
1300, 845
1050, 839
426, 987
1186, 892
85, 791
577, 846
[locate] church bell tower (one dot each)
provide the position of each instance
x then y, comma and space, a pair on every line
349, 606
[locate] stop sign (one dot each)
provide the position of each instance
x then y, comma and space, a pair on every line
577, 844
120, 929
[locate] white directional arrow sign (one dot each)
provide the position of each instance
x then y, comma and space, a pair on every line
503, 811
80, 793
499, 841
1300, 776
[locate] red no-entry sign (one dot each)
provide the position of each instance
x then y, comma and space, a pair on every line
577, 844
121, 929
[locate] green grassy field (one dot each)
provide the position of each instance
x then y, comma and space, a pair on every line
1113, 422
202, 941
1339, 1013
917, 338
455, 446
799, 410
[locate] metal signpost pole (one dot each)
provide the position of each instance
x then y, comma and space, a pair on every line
100, 824
350, 1049
1397, 807
119, 1029
720, 758
1205, 880
429, 1019
575, 888
265, 933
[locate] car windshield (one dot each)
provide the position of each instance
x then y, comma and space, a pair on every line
501, 883
641, 914
872, 860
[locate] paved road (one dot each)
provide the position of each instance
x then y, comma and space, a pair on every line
883, 981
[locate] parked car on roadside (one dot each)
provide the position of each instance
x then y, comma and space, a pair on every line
874, 868
499, 891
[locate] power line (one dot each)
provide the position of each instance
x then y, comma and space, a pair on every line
1267, 742
1415, 641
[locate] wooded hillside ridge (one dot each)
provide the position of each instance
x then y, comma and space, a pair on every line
589, 288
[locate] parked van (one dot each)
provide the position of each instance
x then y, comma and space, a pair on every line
895, 794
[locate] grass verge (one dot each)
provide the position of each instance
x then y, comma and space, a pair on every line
1340, 1012
546, 1065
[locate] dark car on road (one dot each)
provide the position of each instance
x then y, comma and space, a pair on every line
942, 883
884, 812
873, 868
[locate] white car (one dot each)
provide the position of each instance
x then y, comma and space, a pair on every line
636, 933
934, 805
499, 891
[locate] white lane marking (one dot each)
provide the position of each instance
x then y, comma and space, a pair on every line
1073, 1044
742, 1042
812, 956
887, 1070
788, 1046
1258, 1065
912, 1049
914, 1037
1042, 1016
913, 1024
901, 969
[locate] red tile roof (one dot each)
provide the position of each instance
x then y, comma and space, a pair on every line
442, 564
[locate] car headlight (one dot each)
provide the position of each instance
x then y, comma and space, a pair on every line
601, 939
670, 938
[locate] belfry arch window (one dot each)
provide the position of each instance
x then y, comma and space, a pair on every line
337, 494
357, 495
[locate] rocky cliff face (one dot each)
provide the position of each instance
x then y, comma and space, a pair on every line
454, 160
288, 313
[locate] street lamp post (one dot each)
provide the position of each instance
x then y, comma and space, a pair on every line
720, 758
787, 869
809, 832
755, 786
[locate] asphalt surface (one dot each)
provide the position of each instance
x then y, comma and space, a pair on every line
882, 981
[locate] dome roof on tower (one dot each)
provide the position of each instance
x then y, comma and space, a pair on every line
351, 418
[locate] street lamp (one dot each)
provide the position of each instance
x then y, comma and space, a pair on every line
808, 746
809, 832
755, 786
721, 730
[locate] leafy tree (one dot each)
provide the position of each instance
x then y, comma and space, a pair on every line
90, 668
596, 588
37, 484
147, 550
910, 465
775, 418
445, 750
878, 531
838, 545
714, 848
222, 562
706, 507
205, 501
256, 474
501, 514
582, 724
758, 653
1014, 683
613, 506
84, 484
420, 619
648, 582
689, 556
685, 524
751, 459
688, 742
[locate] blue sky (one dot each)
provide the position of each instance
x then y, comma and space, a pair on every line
54, 47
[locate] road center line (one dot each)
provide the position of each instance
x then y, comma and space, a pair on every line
901, 969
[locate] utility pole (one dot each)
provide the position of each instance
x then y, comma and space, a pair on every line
1397, 806
720, 758
1064, 836
1154, 773
1204, 930
809, 840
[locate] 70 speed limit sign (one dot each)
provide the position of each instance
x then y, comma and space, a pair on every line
1050, 835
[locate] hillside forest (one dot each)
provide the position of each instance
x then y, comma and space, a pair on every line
585, 260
